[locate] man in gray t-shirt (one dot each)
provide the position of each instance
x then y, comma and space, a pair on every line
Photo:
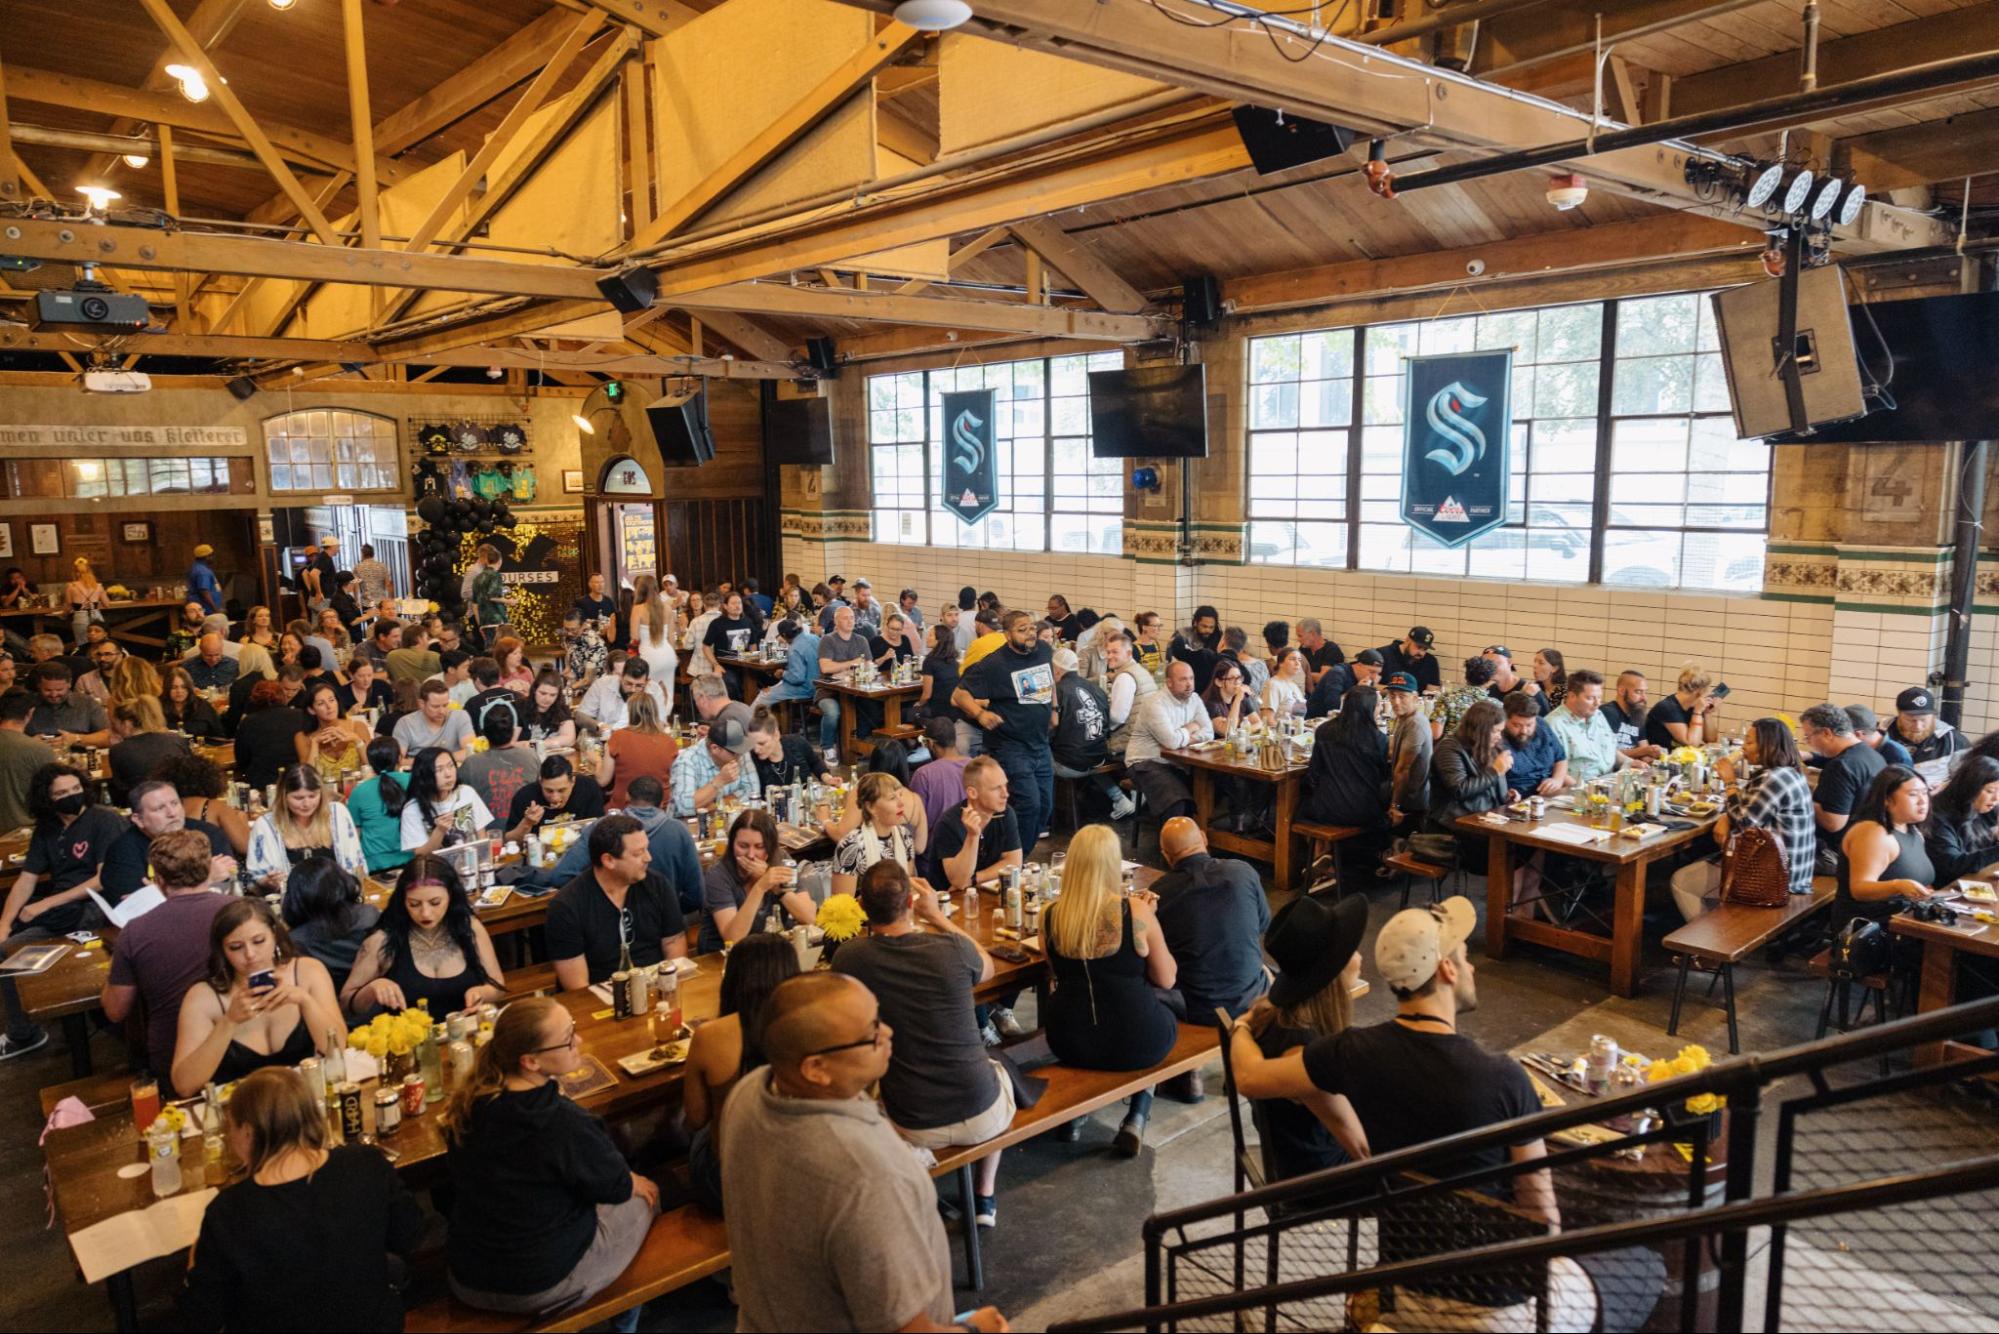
841, 649
832, 1219
435, 723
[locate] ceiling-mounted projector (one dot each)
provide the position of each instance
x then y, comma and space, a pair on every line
92, 307
116, 382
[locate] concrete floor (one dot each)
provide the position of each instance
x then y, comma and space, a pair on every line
1068, 1240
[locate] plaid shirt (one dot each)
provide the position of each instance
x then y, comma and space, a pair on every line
694, 768
1780, 801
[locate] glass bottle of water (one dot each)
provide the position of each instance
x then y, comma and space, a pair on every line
163, 1152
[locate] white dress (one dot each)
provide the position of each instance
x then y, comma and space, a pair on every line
661, 657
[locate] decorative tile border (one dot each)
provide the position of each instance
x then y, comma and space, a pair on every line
827, 525
1152, 543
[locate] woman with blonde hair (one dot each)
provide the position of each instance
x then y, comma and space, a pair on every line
1110, 963
131, 678
652, 625
266, 1254
86, 599
545, 1211
642, 748
305, 823
143, 743
892, 828
1681, 718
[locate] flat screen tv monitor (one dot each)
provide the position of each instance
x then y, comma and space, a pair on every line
1149, 412
799, 430
681, 430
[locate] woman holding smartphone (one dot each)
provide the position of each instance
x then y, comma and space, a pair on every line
262, 1005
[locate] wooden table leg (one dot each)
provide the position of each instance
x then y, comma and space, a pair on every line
1284, 860
847, 706
892, 711
1627, 933
1204, 798
1938, 985
1498, 894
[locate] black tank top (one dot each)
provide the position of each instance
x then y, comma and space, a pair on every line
240, 1060
445, 994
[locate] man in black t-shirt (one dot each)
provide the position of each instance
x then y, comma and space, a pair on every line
50, 897
597, 606
1082, 732
1011, 693
984, 827
729, 634
1849, 770
156, 810
618, 904
1413, 654
561, 794
1626, 716
485, 674
1200, 646
1415, 1080
1320, 652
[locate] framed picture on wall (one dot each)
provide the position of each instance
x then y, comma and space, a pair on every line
140, 531
572, 481
42, 539
6, 541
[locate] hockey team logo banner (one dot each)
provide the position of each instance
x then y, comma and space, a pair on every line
1457, 422
971, 463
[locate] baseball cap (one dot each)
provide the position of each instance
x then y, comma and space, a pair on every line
1367, 657
1915, 700
862, 583
837, 579
1501, 650
728, 733
1065, 659
1420, 635
1863, 718
1416, 940
1401, 681
203, 551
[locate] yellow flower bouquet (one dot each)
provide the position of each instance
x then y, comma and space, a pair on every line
1685, 755
392, 1039
1692, 1059
841, 917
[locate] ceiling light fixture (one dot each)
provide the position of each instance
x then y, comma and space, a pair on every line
282, 5
1797, 188
582, 423
1820, 199
1761, 182
100, 196
1852, 198
141, 154
932, 15
192, 85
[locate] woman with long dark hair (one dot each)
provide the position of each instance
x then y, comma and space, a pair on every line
184, 709
1468, 771
376, 803
729, 1047
545, 717
326, 915
441, 811
428, 946
1347, 780
1960, 835
748, 885
330, 743
546, 1213
1776, 799
262, 1004
1881, 856
939, 677
1552, 675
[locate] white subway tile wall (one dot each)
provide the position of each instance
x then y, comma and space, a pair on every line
1774, 654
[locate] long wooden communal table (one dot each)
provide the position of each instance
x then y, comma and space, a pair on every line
1942, 947
888, 696
1621, 949
1280, 850
131, 622
759, 673
85, 1162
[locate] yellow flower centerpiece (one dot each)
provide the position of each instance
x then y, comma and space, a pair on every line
392, 1039
1684, 755
841, 917
1692, 1058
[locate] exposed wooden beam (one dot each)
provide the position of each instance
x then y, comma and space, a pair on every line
654, 18
638, 148
903, 136
1036, 291
163, 15
209, 252
170, 185
1621, 92
773, 139
1241, 64
1942, 150
511, 62
1572, 250
327, 191
1844, 59
945, 312
963, 255
1542, 33
10, 175
747, 334
144, 107
497, 142
1098, 280
914, 340
361, 118
210, 22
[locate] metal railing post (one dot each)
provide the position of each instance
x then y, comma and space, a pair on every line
1745, 1108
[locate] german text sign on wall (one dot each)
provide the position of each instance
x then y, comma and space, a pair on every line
971, 462
120, 437
1457, 422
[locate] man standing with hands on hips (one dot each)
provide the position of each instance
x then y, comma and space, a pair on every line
1011, 694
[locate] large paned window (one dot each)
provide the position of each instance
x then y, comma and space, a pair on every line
1052, 495
1625, 397
331, 449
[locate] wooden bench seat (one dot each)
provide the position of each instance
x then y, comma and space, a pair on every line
535, 977
684, 1245
1874, 985
101, 1093
1730, 932
1322, 837
1069, 790
1414, 868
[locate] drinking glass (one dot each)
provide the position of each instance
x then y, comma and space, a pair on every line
145, 1102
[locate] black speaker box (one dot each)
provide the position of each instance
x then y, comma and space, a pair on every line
1275, 145
825, 361
681, 431
243, 387
1200, 300
630, 290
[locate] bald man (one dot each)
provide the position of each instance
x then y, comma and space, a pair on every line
1214, 914
860, 1194
211, 667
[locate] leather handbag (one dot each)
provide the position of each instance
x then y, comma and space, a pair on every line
1859, 950
1755, 870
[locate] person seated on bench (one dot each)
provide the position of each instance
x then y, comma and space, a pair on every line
165, 952
271, 1254
1416, 1079
941, 1090
727, 1048
1110, 964
1213, 914
545, 1211
1346, 779
844, 1236
427, 949
891, 828
1960, 838
620, 903
1315, 940
749, 885
1777, 799
1883, 862
229, 1027
1167, 719
1081, 741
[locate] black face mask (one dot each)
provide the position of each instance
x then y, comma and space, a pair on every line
73, 804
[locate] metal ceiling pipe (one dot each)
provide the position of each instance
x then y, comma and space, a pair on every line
123, 144
1784, 109
1450, 16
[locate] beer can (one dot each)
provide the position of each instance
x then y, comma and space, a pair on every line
621, 996
460, 1024
638, 993
314, 1075
1602, 1064
388, 1111
412, 1095
353, 1113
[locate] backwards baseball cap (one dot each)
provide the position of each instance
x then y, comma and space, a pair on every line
1421, 637
729, 734
1501, 650
1368, 657
1915, 700
1863, 718
837, 579
1416, 940
1400, 681
862, 583
1065, 660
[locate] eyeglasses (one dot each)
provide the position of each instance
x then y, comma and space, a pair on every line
567, 1044
873, 1039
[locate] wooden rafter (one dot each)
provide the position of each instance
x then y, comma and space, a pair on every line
177, 33
10, 176
1098, 280
1911, 155
842, 83
960, 257
511, 62
242, 298
526, 105
210, 23
638, 147
889, 308
170, 185
747, 334
361, 118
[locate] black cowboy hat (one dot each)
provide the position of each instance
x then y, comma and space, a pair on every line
1310, 939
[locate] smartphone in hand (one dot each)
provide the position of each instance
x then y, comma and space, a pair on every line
264, 981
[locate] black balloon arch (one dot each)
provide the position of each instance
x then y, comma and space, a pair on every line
436, 549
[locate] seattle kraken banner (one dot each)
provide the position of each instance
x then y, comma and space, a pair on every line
1457, 422
971, 463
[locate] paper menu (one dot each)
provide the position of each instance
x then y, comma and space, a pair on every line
129, 1239
130, 908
